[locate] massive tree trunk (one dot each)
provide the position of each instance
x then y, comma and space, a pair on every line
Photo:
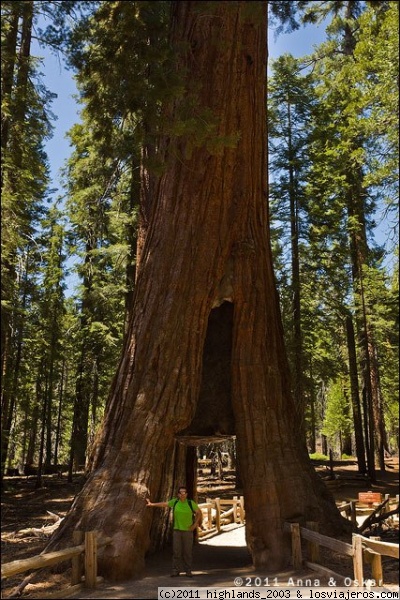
206, 264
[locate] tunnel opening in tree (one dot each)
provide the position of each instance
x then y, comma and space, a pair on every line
214, 413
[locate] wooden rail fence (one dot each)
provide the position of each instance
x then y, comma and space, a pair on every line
361, 550
83, 556
218, 512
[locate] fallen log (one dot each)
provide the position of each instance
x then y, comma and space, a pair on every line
369, 520
44, 531
373, 518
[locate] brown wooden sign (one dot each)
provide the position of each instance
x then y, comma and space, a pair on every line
370, 498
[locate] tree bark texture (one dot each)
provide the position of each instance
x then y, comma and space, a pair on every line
207, 246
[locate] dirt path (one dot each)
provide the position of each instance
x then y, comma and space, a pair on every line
218, 562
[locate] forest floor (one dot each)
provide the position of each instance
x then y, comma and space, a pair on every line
25, 508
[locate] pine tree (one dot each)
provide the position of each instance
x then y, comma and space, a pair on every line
26, 119
93, 207
24, 179
290, 100
51, 306
347, 156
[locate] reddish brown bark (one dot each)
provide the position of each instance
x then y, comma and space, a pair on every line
207, 243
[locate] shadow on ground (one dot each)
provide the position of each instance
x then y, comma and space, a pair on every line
217, 562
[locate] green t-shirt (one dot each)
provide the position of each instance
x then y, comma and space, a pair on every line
182, 513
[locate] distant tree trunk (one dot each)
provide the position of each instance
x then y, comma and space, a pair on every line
63, 377
207, 245
51, 366
359, 251
13, 370
84, 376
355, 397
298, 391
324, 445
80, 421
33, 431
313, 424
95, 399
15, 78
381, 443
43, 402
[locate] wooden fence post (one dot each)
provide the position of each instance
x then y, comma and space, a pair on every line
241, 509
313, 547
77, 561
377, 571
90, 559
376, 564
358, 559
235, 508
218, 514
209, 513
296, 546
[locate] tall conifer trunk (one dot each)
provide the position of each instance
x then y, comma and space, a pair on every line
207, 247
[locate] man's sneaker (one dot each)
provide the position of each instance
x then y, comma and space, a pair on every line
189, 574
175, 574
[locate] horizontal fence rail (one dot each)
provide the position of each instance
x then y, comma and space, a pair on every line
83, 556
39, 562
218, 512
361, 550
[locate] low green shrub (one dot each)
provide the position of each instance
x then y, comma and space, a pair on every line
318, 456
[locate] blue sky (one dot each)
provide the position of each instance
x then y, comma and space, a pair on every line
298, 42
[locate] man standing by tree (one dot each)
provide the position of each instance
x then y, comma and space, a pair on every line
187, 517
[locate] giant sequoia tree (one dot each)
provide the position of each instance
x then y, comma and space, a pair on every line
205, 324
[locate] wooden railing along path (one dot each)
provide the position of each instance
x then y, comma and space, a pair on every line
360, 550
83, 556
218, 512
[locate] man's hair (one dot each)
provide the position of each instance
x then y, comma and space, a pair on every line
182, 487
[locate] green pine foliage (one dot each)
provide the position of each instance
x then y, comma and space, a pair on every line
337, 423
24, 179
32, 264
340, 165
97, 215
